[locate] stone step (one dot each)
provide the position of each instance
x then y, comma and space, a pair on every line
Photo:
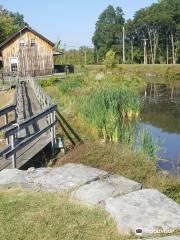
165, 238
98, 191
144, 212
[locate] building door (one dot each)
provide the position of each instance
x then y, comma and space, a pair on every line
14, 64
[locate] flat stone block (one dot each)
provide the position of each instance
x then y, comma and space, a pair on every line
148, 210
12, 177
165, 238
100, 190
67, 177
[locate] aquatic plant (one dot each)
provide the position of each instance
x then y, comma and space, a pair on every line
148, 144
105, 107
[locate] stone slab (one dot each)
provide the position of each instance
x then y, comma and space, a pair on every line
148, 210
65, 178
12, 177
165, 238
98, 191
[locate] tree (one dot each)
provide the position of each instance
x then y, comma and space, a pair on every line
108, 32
9, 23
110, 59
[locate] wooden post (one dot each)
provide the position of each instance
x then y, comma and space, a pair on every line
2, 78
6, 122
13, 158
53, 134
6, 118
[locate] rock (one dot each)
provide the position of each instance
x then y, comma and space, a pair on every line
165, 238
147, 210
100, 190
67, 177
12, 177
100, 76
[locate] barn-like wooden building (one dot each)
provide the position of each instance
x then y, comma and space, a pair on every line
28, 53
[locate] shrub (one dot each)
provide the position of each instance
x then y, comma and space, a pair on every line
49, 81
67, 85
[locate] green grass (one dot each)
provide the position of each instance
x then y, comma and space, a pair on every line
52, 216
122, 160
150, 72
116, 158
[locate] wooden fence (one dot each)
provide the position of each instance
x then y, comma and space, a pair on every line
13, 131
43, 99
13, 77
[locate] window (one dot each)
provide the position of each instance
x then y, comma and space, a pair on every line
21, 43
14, 67
33, 43
14, 64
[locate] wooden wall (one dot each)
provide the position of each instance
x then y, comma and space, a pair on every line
30, 59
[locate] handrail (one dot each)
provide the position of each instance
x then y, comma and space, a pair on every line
48, 112
44, 100
28, 140
14, 129
7, 109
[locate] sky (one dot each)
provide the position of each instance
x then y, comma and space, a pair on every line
71, 21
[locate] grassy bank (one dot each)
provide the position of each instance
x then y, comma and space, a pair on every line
150, 72
52, 216
79, 89
125, 162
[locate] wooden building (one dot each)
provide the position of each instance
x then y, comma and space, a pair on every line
28, 53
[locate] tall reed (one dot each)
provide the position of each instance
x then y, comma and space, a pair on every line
105, 107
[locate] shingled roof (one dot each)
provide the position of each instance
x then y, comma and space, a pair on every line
3, 44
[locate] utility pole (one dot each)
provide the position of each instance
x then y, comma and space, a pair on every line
145, 50
85, 56
97, 57
167, 51
132, 50
124, 58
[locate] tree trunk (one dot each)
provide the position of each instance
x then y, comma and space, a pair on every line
151, 47
132, 52
167, 52
156, 40
173, 48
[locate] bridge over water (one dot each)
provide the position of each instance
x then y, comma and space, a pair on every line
33, 126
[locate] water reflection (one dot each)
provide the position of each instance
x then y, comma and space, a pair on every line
161, 116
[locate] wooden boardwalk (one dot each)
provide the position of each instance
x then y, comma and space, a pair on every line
30, 106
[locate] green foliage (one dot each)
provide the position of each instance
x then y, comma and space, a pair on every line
110, 59
68, 85
82, 56
148, 145
105, 107
108, 31
48, 81
9, 23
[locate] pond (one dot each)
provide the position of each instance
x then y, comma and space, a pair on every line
161, 117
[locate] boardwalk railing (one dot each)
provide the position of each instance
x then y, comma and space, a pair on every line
4, 112
13, 131
11, 77
43, 99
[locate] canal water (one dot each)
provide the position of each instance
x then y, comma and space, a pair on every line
161, 117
